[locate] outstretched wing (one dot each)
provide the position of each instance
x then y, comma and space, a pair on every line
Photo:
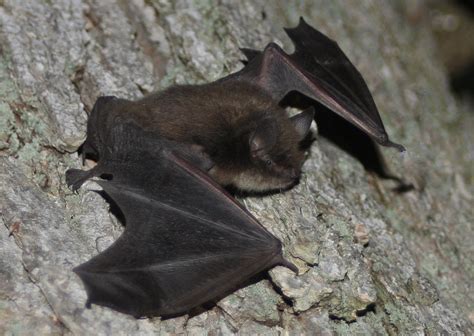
321, 71
186, 240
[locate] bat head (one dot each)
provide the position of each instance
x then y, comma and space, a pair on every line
275, 153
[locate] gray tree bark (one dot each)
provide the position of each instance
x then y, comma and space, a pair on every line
371, 261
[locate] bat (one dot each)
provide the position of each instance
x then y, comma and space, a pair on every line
165, 158
186, 240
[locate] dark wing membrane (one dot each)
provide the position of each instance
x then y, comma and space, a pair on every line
321, 57
186, 240
320, 70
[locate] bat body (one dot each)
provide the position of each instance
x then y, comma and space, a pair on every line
250, 140
165, 156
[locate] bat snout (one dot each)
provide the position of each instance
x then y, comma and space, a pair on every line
291, 174
291, 181
295, 173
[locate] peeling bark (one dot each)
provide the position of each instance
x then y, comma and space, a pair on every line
372, 261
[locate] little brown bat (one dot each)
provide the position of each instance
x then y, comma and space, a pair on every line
251, 142
186, 240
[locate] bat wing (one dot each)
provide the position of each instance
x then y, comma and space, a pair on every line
186, 240
321, 71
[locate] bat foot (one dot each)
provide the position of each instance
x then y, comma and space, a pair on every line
88, 151
75, 178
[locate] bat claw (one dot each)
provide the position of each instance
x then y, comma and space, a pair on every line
76, 177
389, 143
285, 263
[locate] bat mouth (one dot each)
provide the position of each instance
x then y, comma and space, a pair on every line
284, 184
292, 181
290, 185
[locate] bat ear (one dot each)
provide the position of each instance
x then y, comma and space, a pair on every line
302, 121
263, 138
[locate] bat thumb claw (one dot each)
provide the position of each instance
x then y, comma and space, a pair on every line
285, 263
395, 145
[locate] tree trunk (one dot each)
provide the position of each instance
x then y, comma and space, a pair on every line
372, 260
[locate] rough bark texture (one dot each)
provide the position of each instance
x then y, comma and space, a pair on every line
371, 261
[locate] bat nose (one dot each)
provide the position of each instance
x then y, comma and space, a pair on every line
295, 173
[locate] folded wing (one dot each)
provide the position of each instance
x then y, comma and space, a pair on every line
186, 240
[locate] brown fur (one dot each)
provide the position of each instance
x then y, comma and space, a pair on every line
221, 117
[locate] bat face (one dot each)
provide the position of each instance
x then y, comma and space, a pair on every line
267, 171
269, 156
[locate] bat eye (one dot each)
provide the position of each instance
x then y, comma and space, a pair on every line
268, 163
